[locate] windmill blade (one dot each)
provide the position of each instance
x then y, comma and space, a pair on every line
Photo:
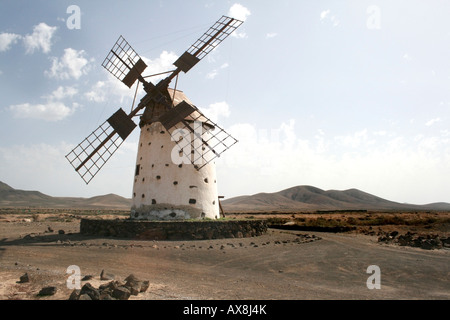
93, 152
207, 42
124, 63
198, 138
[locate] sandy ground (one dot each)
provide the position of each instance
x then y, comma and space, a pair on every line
280, 265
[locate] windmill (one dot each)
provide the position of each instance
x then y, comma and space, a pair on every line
175, 176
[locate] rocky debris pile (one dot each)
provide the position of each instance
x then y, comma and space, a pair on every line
428, 242
47, 291
113, 290
24, 278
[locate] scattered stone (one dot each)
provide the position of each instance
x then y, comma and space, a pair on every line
105, 276
144, 285
113, 290
75, 295
106, 296
84, 296
24, 278
47, 291
121, 293
430, 242
89, 290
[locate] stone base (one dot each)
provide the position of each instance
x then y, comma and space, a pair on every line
173, 230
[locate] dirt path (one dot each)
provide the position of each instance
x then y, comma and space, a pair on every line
279, 265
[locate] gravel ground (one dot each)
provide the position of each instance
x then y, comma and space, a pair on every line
280, 265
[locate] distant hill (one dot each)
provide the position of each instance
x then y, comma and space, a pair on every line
10, 197
300, 198
308, 198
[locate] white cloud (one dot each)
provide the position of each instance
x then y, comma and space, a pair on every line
407, 57
41, 38
44, 167
327, 16
354, 140
239, 12
432, 122
111, 90
324, 14
73, 64
395, 167
8, 39
271, 35
53, 110
211, 75
216, 110
161, 64
62, 93
97, 93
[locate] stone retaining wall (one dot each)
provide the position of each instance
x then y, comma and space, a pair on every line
173, 230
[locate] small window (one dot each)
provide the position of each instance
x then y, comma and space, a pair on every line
192, 201
137, 170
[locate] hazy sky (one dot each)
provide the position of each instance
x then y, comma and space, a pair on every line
334, 94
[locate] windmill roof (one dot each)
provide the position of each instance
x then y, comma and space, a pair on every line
179, 97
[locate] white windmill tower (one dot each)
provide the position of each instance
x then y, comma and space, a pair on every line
175, 176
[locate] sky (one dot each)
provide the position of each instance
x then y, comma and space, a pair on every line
333, 94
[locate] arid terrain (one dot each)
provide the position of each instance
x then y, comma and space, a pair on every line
319, 245
288, 264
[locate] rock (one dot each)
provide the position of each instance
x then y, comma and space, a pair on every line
24, 278
47, 291
75, 295
88, 289
106, 296
393, 234
121, 293
134, 289
427, 245
105, 276
144, 285
61, 232
87, 277
134, 284
28, 237
49, 229
84, 296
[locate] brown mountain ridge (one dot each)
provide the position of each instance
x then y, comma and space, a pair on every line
305, 198
299, 198
10, 197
